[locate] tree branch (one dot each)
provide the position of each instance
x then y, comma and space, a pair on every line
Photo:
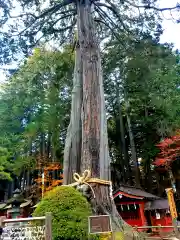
50, 10
37, 17
3, 5
114, 11
40, 27
74, 10
107, 25
148, 6
106, 15
63, 17
55, 8
23, 15
63, 29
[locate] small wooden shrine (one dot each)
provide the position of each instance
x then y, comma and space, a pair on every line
140, 208
157, 212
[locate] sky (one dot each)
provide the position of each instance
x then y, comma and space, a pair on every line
170, 27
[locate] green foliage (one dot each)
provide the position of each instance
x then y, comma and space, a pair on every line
4, 154
57, 21
142, 80
70, 211
34, 107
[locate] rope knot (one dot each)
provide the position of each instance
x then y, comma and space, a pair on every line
82, 179
86, 179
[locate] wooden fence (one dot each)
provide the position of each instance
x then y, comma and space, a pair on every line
13, 227
158, 232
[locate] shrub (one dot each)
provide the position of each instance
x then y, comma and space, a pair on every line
70, 211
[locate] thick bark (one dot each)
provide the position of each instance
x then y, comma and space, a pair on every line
95, 154
72, 151
94, 145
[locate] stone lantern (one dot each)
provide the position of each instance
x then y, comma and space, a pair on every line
15, 202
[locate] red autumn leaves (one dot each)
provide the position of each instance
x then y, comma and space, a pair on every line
169, 150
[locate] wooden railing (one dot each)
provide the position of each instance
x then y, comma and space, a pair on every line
158, 233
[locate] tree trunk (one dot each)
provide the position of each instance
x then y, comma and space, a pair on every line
133, 149
95, 154
126, 166
27, 183
49, 153
134, 155
148, 175
172, 179
72, 151
94, 145
24, 179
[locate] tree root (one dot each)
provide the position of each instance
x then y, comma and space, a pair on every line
102, 204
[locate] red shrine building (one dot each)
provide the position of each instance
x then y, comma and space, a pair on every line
139, 208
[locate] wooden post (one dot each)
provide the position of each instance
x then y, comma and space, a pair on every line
1, 225
2, 221
48, 226
176, 232
141, 211
160, 231
113, 235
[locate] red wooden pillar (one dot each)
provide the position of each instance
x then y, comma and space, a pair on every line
141, 212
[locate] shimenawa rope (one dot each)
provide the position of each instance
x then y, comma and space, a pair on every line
86, 179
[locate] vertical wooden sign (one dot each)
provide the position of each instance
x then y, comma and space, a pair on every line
172, 205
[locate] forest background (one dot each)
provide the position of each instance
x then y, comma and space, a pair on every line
141, 84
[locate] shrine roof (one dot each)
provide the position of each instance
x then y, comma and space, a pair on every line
2, 205
24, 204
133, 192
157, 204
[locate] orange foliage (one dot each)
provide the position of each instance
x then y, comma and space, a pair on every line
49, 183
169, 150
54, 183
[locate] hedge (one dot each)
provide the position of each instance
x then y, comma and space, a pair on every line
70, 211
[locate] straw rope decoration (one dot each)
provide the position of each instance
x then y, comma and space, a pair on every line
86, 179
